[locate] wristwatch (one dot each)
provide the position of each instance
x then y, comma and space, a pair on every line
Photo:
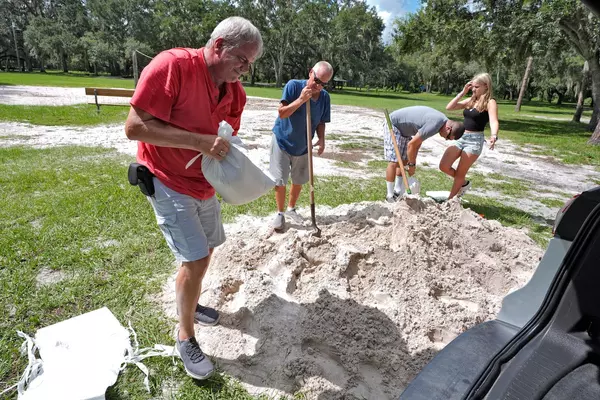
411, 164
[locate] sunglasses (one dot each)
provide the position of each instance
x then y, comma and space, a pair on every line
318, 81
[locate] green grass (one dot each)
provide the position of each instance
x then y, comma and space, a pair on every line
57, 208
60, 79
509, 216
77, 115
562, 140
347, 164
59, 205
552, 203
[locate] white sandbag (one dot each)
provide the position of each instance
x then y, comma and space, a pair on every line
414, 185
80, 358
235, 177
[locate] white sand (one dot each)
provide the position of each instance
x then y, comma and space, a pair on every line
358, 312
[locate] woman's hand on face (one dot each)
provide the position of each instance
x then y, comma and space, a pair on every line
467, 87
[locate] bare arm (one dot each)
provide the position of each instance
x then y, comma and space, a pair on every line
456, 103
494, 124
144, 127
411, 151
285, 109
321, 136
493, 112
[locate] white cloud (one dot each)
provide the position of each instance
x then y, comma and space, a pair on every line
389, 10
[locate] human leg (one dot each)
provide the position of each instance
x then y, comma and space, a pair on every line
466, 160
192, 229
451, 154
279, 168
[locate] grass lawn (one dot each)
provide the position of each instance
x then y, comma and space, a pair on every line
60, 79
563, 140
77, 115
69, 212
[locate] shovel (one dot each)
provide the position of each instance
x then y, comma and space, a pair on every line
316, 232
398, 157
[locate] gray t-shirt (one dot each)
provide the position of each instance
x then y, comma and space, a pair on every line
418, 119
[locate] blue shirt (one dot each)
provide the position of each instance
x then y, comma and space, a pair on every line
291, 132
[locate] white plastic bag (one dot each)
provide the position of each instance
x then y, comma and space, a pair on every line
414, 185
81, 357
235, 178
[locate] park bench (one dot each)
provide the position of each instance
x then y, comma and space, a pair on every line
107, 92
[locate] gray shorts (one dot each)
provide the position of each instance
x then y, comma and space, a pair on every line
282, 163
471, 142
190, 226
389, 153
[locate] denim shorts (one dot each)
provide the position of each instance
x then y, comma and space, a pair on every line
190, 226
471, 142
283, 164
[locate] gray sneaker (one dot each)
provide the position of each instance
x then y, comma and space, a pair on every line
206, 315
196, 364
293, 214
279, 222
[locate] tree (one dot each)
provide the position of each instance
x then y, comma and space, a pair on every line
581, 95
524, 83
582, 30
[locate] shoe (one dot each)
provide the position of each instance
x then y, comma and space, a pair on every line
195, 362
206, 316
293, 214
464, 188
394, 198
279, 221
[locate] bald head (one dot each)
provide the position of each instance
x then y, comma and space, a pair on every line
324, 70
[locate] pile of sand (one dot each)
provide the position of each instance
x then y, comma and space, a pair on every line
358, 312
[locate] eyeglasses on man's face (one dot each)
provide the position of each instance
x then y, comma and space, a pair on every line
317, 80
244, 61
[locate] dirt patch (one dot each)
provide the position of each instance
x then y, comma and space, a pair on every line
358, 312
48, 276
349, 156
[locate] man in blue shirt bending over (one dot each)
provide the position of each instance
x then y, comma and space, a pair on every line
289, 147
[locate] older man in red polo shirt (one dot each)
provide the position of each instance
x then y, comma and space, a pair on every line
181, 97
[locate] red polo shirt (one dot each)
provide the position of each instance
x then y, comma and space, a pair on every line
176, 87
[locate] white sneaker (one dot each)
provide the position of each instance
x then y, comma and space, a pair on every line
278, 222
293, 214
464, 188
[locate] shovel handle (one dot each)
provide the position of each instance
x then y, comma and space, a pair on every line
310, 156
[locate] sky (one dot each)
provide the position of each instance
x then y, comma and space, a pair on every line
388, 10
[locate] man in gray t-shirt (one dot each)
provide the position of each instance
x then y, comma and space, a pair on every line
411, 126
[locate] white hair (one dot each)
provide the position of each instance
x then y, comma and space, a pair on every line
324, 65
236, 32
